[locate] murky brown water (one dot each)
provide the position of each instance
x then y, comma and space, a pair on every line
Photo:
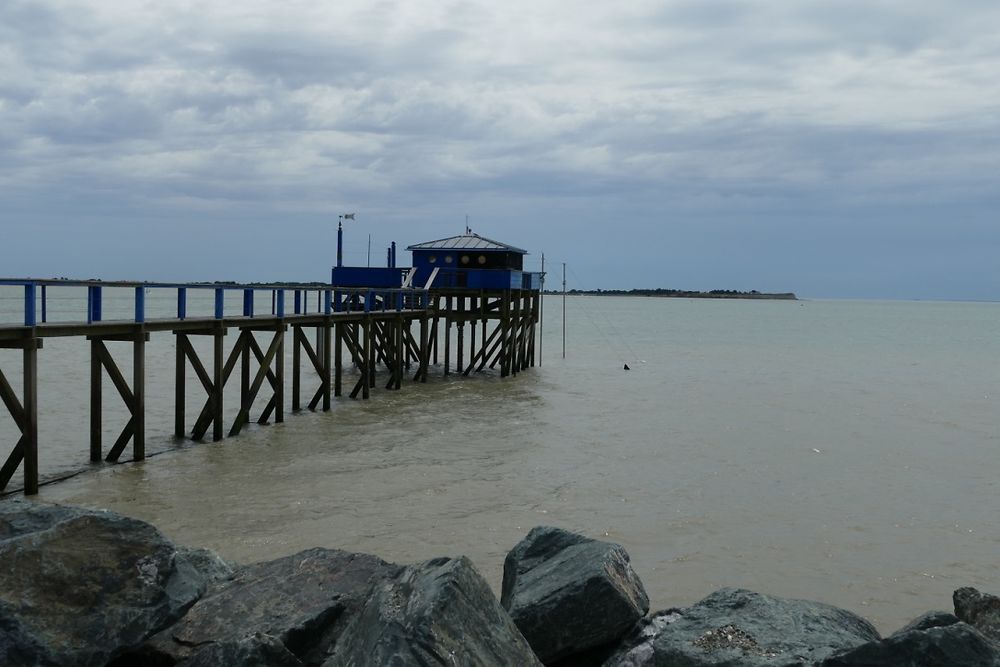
839, 451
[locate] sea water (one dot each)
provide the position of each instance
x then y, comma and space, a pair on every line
844, 451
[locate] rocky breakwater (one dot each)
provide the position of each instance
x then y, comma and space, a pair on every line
84, 587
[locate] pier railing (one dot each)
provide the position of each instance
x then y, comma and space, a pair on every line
328, 299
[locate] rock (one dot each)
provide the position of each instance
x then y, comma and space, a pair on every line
208, 563
257, 650
441, 612
955, 644
79, 586
738, 627
932, 619
980, 610
302, 601
568, 593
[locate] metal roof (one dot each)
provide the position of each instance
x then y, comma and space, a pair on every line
467, 242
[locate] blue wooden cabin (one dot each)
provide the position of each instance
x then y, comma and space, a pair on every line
468, 261
471, 261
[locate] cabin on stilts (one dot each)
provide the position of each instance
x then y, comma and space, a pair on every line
478, 283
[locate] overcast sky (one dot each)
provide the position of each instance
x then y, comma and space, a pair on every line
839, 148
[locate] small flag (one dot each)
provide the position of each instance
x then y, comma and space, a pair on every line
348, 216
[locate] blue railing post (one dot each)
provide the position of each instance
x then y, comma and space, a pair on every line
298, 302
29, 305
336, 301
248, 303
399, 301
93, 304
140, 304
327, 302
45, 306
281, 303
368, 301
182, 306
220, 300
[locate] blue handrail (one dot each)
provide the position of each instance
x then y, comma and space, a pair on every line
330, 298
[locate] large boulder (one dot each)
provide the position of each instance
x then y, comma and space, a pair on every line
302, 601
568, 593
738, 627
79, 586
254, 650
980, 610
954, 644
931, 619
441, 612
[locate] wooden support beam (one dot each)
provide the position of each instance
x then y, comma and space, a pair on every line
25, 416
327, 340
139, 396
447, 335
483, 356
368, 370
133, 397
422, 369
297, 335
218, 387
338, 361
461, 334
249, 392
180, 385
96, 381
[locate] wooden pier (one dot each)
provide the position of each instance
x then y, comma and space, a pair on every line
399, 330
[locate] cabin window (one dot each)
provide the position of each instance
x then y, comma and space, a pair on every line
447, 259
482, 260
432, 259
465, 259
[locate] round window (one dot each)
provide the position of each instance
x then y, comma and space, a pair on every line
447, 259
482, 259
432, 259
465, 259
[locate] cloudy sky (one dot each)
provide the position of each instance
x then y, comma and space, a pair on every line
836, 148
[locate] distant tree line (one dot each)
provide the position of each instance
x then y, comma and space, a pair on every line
689, 294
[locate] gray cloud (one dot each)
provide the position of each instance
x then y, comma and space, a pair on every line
697, 125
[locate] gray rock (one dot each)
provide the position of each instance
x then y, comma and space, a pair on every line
980, 610
955, 644
932, 619
256, 650
302, 601
734, 627
208, 563
441, 612
79, 586
568, 593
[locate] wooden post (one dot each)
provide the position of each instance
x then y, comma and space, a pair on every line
219, 383
368, 369
461, 333
139, 395
179, 387
447, 334
399, 351
296, 371
472, 329
327, 337
279, 372
30, 434
424, 357
338, 363
244, 376
96, 378
505, 334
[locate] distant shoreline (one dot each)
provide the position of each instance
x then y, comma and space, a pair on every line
685, 294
